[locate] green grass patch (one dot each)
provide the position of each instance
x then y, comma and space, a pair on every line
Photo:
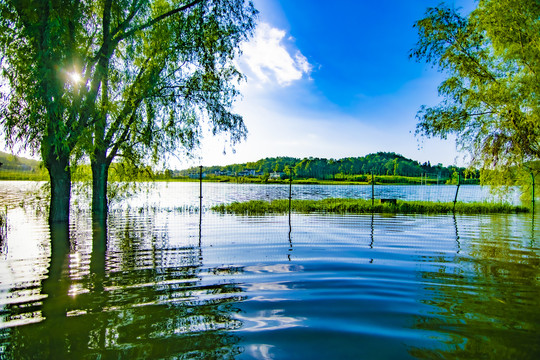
361, 206
24, 175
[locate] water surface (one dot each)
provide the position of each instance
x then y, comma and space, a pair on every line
155, 283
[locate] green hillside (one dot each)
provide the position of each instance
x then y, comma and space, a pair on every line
19, 168
387, 166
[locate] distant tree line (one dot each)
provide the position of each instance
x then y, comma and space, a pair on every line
19, 168
381, 163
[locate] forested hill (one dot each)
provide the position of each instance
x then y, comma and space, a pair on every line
19, 168
352, 168
17, 163
381, 163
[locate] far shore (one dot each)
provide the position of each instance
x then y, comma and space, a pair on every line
378, 180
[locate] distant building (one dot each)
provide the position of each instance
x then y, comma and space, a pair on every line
247, 172
276, 175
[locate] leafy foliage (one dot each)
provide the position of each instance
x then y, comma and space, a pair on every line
138, 73
490, 96
131, 78
162, 78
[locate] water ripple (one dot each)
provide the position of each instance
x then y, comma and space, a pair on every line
152, 284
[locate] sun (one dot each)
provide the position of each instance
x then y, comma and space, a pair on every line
75, 77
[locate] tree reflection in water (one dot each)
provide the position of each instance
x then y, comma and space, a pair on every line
484, 300
131, 296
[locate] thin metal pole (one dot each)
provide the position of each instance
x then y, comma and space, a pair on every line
290, 198
457, 190
290, 206
200, 201
372, 190
532, 178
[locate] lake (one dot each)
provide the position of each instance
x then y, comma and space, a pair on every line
155, 283
185, 196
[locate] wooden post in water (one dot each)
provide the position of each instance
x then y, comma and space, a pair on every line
457, 190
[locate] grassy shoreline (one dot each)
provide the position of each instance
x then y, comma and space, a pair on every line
379, 180
23, 176
361, 206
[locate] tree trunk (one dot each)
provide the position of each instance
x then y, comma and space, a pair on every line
100, 173
60, 175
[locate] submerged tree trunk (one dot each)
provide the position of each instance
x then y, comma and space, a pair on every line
100, 173
60, 175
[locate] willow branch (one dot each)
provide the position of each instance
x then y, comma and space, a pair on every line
156, 20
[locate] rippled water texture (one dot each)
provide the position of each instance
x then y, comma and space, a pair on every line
154, 283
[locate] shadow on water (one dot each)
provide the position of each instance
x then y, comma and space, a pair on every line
124, 294
484, 304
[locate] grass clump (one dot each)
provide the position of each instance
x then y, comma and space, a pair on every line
361, 206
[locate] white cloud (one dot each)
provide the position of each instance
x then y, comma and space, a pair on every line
281, 130
268, 60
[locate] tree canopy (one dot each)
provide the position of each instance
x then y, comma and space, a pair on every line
134, 79
491, 60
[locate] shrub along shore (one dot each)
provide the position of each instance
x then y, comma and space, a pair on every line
358, 180
362, 206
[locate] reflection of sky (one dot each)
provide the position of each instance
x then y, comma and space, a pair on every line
274, 268
260, 351
268, 320
23, 265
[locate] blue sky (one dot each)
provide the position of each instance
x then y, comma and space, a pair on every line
333, 79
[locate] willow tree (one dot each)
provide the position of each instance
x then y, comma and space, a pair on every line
490, 97
39, 107
129, 78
